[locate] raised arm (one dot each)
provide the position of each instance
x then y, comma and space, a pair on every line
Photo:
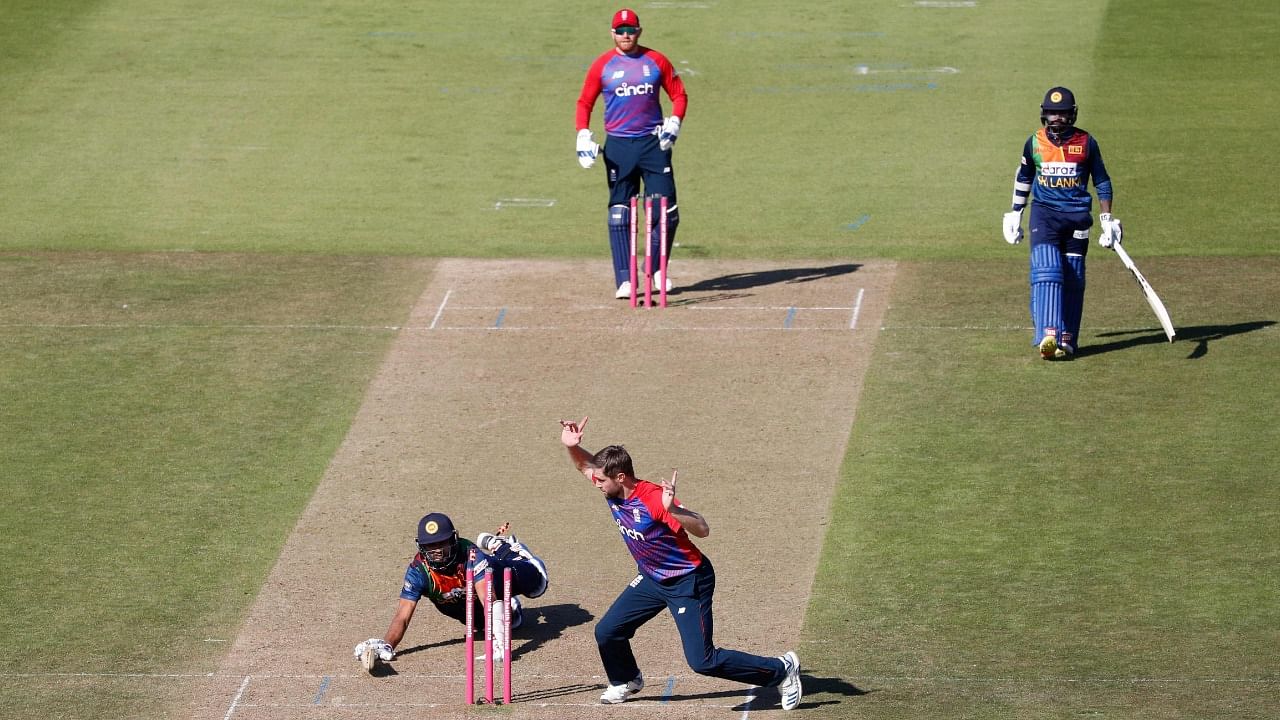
571, 436
692, 522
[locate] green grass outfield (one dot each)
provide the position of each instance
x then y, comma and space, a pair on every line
263, 185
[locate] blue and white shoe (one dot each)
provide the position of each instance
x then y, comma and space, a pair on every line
790, 688
489, 543
495, 544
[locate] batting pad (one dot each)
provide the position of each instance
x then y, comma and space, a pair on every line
1046, 290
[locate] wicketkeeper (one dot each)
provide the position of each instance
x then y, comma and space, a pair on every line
639, 141
1057, 163
439, 571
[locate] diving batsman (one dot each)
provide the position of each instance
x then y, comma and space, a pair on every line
438, 573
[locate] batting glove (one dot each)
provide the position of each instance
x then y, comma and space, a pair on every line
587, 148
382, 647
1013, 227
1111, 231
667, 133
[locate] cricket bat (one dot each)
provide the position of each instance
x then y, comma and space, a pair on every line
1148, 292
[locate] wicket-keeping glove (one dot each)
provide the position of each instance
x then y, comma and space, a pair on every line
667, 133
383, 648
1111, 230
587, 148
1013, 227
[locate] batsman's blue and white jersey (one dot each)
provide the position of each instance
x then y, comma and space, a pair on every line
657, 540
1057, 176
442, 587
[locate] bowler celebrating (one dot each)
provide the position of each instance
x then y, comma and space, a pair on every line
673, 575
639, 138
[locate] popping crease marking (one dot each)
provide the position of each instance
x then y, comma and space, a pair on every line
236, 700
857, 308
440, 310
634, 328
192, 326
554, 676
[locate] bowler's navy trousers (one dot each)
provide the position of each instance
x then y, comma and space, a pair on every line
688, 597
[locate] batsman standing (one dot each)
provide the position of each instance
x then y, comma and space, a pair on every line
1057, 164
673, 575
438, 572
639, 137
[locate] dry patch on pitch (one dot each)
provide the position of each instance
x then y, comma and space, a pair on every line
747, 383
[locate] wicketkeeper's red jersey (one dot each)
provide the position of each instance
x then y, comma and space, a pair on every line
630, 85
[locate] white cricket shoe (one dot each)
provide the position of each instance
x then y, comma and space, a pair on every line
619, 693
790, 688
658, 280
624, 291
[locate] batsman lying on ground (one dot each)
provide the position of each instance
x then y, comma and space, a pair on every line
438, 572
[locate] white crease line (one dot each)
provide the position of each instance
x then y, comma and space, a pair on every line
632, 705
842, 308
190, 326
1083, 681
440, 311
979, 328
857, 308
236, 700
612, 308
600, 678
634, 328
421, 328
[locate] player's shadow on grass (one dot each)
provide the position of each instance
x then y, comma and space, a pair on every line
544, 624
541, 624
745, 281
428, 646
1199, 334
768, 698
556, 692
384, 669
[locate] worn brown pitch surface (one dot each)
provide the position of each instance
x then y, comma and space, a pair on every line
748, 384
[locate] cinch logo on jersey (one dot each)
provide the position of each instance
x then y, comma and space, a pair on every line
629, 532
625, 90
